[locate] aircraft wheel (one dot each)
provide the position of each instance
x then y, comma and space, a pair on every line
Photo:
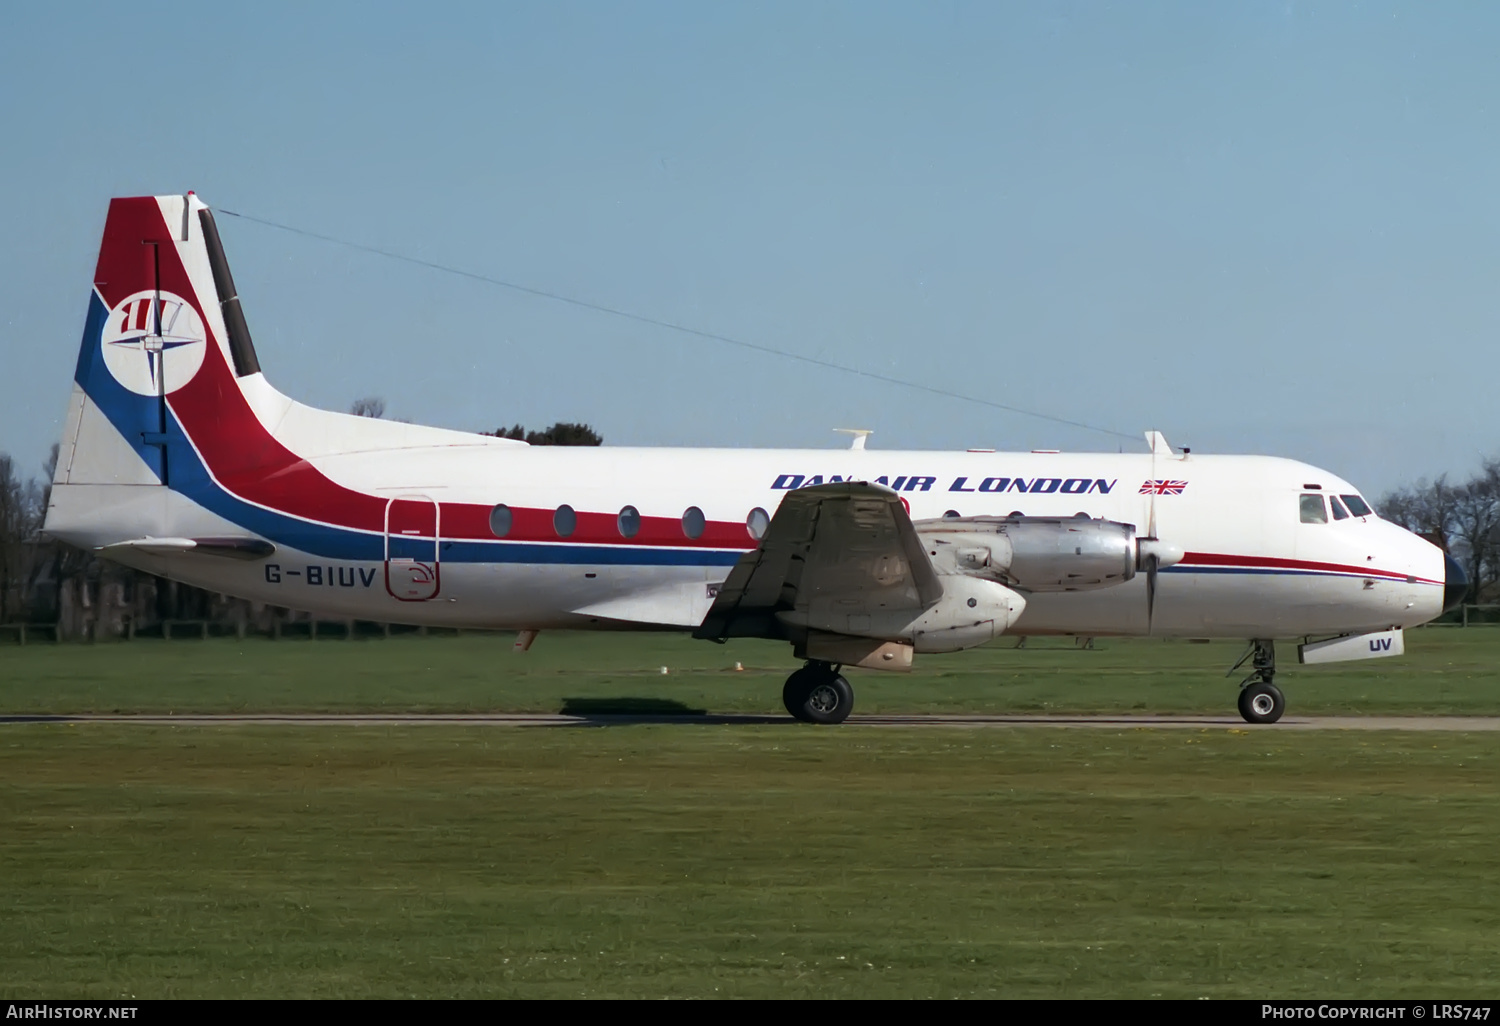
1261, 703
798, 687
815, 694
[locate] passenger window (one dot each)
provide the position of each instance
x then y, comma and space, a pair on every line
1359, 507
757, 522
1313, 511
500, 520
629, 522
1339, 512
564, 521
693, 522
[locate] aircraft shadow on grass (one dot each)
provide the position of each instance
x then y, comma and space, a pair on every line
603, 712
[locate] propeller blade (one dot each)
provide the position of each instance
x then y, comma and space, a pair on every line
1153, 563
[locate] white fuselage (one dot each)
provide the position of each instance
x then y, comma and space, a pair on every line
1251, 568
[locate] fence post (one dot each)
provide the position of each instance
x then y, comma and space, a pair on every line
1466, 614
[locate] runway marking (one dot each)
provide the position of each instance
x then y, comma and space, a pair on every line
1416, 723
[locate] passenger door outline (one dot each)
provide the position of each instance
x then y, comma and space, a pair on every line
413, 538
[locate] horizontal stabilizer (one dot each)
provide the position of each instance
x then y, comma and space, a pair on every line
230, 548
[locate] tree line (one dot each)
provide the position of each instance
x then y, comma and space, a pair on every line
1462, 518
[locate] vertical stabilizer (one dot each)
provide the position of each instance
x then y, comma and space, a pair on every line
153, 330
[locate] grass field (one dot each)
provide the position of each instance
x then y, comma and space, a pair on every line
747, 861
688, 859
1446, 670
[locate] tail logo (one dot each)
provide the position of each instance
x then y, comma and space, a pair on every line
153, 342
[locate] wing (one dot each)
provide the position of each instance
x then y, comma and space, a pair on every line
833, 556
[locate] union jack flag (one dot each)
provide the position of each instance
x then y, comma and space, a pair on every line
1162, 487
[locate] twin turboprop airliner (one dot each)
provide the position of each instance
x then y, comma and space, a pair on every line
179, 458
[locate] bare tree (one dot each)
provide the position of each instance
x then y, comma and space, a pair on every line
1425, 509
11, 532
1476, 518
1463, 519
21, 510
369, 406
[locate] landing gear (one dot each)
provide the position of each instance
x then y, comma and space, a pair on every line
1261, 703
1260, 700
817, 693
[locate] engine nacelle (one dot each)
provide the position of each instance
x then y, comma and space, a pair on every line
970, 612
1034, 553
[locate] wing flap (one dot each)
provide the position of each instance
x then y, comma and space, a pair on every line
832, 552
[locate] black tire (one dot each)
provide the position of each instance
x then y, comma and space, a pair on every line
829, 701
1261, 703
795, 692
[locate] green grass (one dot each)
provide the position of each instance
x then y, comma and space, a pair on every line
691, 859
1449, 671
772, 861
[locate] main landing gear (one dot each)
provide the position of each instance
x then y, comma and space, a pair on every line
818, 693
1260, 700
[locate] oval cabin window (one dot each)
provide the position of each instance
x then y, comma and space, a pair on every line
629, 522
757, 522
500, 521
693, 522
564, 521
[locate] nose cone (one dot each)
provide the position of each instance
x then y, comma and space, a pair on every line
1455, 583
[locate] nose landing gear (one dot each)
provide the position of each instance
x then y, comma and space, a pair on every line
818, 693
1260, 700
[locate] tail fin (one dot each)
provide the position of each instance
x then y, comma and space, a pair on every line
173, 431
163, 316
163, 329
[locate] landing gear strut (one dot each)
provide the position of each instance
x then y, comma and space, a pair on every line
818, 693
1260, 700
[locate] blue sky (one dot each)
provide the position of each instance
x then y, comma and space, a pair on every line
1257, 227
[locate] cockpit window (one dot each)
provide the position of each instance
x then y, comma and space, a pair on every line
1359, 507
1313, 511
1339, 512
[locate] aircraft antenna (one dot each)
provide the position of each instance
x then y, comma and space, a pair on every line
658, 322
